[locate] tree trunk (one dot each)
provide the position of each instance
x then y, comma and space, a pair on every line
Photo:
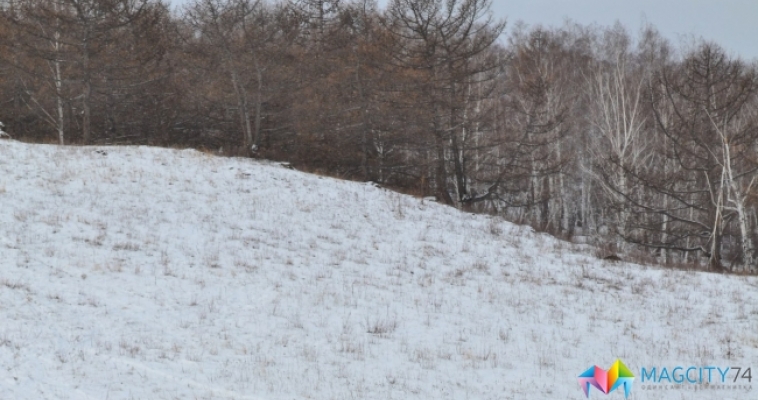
258, 106
59, 95
247, 132
86, 124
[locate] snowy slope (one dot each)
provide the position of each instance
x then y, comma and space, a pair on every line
141, 273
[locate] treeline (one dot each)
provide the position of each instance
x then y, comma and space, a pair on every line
576, 130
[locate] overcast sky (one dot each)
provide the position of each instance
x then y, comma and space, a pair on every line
731, 23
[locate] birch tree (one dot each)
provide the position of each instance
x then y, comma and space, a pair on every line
38, 33
538, 101
711, 137
615, 86
737, 132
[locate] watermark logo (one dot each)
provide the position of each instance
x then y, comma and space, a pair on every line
607, 381
696, 375
697, 378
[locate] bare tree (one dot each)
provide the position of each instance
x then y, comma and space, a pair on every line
92, 25
711, 134
618, 144
38, 33
221, 25
441, 38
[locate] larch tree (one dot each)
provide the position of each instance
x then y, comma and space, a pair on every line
441, 38
711, 134
221, 25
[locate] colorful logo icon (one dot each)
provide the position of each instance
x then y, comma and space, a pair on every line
607, 381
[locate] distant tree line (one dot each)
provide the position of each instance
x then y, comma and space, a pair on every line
576, 130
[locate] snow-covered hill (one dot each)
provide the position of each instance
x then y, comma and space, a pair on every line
142, 273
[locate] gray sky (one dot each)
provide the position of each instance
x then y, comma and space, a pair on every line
731, 23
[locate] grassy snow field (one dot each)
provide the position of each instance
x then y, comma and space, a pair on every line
142, 273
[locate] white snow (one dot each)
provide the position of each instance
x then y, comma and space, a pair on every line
3, 134
142, 273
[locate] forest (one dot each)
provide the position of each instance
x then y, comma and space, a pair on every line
592, 133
